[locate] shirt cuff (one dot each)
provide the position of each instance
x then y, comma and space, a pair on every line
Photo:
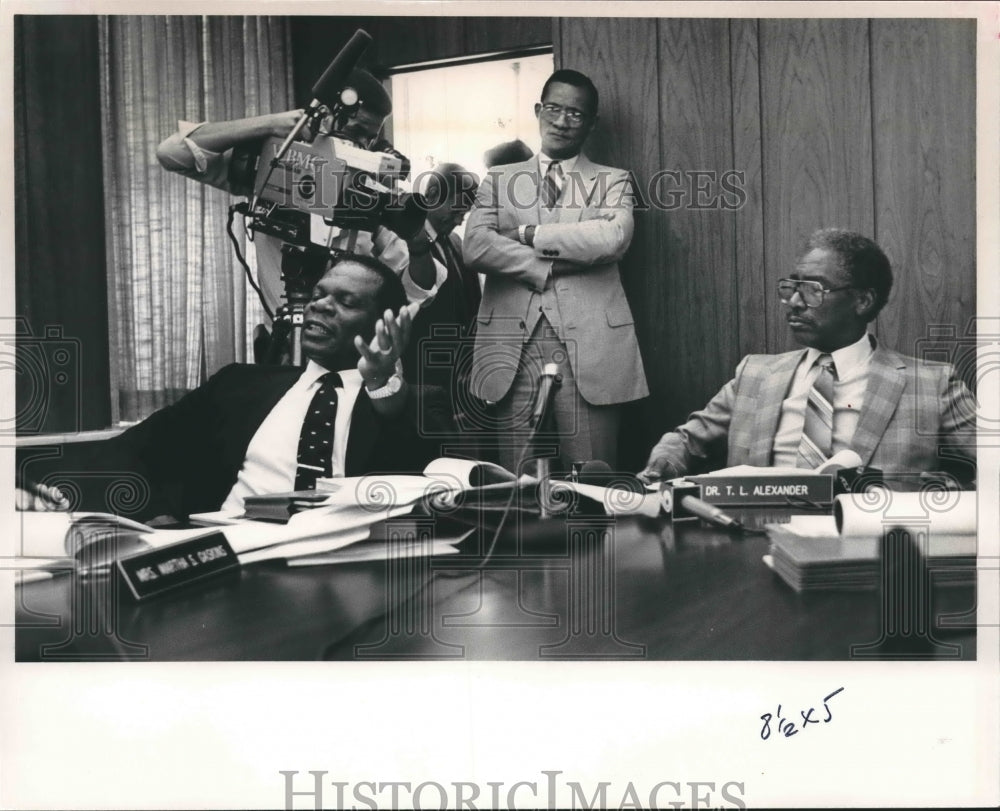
417, 294
202, 157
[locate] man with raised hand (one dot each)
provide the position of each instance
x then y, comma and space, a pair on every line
253, 429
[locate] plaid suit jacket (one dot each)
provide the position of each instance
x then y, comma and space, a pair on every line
917, 416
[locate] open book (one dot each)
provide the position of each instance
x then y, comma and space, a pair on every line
377, 492
450, 483
90, 543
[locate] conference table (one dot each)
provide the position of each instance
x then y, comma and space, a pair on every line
582, 587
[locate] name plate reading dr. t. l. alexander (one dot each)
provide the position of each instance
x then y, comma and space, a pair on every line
753, 490
158, 570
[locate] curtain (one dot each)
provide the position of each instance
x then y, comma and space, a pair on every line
179, 306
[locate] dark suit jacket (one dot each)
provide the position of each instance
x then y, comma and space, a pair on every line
185, 458
442, 328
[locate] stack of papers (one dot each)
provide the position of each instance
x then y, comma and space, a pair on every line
809, 554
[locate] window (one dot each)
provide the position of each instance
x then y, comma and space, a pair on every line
455, 113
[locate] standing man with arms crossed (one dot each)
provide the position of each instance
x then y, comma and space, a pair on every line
548, 233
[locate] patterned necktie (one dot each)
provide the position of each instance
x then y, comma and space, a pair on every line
817, 430
315, 456
552, 185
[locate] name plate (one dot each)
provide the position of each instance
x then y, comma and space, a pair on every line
155, 571
753, 490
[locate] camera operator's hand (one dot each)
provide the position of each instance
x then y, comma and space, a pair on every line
280, 124
383, 145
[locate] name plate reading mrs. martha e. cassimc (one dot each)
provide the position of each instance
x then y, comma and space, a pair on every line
155, 571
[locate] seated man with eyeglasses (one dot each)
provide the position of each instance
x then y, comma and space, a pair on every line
844, 391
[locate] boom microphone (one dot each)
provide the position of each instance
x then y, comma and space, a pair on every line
328, 86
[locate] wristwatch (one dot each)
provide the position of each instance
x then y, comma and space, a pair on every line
391, 387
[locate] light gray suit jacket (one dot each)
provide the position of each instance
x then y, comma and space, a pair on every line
916, 416
577, 255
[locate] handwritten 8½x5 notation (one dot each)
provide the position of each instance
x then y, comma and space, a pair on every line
787, 728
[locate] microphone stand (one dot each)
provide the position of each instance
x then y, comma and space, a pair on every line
301, 269
540, 419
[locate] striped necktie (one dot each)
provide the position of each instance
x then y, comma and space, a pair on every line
816, 445
315, 456
552, 185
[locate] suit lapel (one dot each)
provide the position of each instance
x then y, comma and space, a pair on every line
772, 392
248, 406
523, 196
882, 394
578, 186
471, 291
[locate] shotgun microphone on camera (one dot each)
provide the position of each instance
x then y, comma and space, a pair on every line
328, 88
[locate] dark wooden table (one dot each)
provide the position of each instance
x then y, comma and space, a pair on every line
580, 588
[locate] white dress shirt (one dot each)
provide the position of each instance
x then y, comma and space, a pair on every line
544, 161
269, 466
567, 164
852, 364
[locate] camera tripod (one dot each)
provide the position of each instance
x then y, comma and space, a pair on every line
301, 269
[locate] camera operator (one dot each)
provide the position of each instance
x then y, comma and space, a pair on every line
204, 152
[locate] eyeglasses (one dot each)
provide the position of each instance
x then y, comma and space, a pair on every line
573, 116
812, 293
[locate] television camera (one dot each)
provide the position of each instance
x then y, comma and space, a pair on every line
318, 171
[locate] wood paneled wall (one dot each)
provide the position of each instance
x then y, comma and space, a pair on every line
863, 124
868, 124
406, 40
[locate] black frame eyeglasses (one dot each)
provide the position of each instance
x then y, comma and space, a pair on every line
553, 111
811, 292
